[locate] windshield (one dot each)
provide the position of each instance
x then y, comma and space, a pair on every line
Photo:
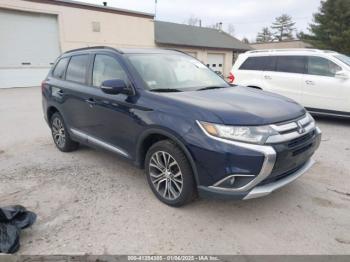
174, 72
345, 59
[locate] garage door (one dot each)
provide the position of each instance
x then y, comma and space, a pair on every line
216, 62
29, 44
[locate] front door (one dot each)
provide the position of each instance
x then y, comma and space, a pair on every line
111, 119
322, 89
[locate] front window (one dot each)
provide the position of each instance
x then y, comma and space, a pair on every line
174, 72
321, 66
345, 59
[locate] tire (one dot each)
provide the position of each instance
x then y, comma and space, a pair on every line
166, 167
60, 135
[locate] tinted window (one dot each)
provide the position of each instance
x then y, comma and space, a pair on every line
321, 66
76, 70
345, 59
107, 68
261, 63
291, 64
60, 68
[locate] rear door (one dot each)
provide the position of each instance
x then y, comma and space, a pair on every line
287, 78
322, 89
75, 92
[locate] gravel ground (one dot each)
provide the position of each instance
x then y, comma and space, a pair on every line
94, 202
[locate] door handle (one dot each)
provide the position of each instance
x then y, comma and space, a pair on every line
309, 82
90, 101
267, 77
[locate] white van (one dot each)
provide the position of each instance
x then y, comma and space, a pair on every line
319, 80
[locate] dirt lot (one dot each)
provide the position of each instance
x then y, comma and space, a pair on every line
93, 202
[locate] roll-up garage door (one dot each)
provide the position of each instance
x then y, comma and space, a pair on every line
216, 62
29, 44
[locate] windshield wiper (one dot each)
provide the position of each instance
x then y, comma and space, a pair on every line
165, 90
210, 87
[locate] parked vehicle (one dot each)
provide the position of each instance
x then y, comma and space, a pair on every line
168, 113
319, 80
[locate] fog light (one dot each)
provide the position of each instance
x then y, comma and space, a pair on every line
234, 181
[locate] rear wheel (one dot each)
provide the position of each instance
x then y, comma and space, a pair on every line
60, 135
169, 173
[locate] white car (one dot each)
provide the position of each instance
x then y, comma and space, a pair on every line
319, 80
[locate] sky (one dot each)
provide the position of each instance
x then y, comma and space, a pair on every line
247, 16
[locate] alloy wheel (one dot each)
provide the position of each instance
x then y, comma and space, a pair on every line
58, 132
166, 175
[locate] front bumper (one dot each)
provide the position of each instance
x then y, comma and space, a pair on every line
281, 166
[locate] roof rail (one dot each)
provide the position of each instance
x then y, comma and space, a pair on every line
286, 49
93, 47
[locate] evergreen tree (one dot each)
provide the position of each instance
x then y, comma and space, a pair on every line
264, 36
331, 27
283, 28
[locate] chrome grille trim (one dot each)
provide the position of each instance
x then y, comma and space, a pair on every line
290, 130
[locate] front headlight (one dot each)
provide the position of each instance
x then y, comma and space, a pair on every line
249, 134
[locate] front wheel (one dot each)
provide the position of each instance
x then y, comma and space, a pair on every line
169, 174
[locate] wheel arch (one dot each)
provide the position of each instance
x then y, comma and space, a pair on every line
151, 136
254, 86
50, 111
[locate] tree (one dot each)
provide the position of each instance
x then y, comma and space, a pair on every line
245, 40
331, 27
283, 27
264, 36
193, 20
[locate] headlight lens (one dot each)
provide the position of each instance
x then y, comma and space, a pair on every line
249, 134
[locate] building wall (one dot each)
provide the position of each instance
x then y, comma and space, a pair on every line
281, 45
76, 25
202, 55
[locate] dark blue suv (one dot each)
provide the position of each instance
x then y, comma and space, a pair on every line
171, 115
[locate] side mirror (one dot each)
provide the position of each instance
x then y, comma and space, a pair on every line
342, 74
114, 86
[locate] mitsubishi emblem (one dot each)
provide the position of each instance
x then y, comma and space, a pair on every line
301, 129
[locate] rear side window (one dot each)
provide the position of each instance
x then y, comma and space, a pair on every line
321, 66
107, 68
76, 70
291, 64
60, 68
261, 63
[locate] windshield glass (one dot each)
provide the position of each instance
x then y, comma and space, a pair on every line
174, 72
345, 59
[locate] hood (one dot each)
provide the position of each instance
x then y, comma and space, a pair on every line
240, 105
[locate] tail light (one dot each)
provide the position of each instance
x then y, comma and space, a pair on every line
231, 78
43, 86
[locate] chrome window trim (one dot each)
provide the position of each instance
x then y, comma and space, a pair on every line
99, 142
266, 168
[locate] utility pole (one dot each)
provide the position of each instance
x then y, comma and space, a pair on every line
155, 9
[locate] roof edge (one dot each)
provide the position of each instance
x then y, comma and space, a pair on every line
82, 5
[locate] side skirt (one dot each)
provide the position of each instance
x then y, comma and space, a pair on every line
93, 140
